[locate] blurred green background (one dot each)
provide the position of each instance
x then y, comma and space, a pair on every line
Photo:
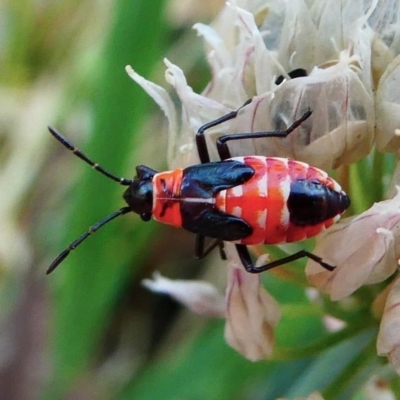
90, 330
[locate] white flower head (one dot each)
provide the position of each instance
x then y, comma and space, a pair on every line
246, 57
288, 57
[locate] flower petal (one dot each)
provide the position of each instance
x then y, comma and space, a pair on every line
252, 314
388, 342
196, 111
162, 98
388, 108
199, 296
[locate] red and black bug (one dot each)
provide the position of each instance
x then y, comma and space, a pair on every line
246, 200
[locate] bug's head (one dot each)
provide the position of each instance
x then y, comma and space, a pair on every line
139, 194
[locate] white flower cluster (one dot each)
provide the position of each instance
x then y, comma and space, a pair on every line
349, 53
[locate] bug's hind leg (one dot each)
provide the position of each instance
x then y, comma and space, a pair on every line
247, 262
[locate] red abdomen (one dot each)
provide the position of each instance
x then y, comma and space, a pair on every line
285, 201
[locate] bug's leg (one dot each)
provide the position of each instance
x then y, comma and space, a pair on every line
200, 251
200, 138
222, 146
222, 253
247, 262
296, 73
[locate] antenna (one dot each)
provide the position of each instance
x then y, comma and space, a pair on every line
126, 182
64, 254
82, 156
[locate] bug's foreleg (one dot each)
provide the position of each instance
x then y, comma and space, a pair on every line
200, 251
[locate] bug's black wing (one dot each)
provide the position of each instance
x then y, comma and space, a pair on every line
203, 181
215, 224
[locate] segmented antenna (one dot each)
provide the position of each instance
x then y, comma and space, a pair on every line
82, 156
64, 254
123, 181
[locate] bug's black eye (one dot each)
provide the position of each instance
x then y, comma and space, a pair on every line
145, 216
